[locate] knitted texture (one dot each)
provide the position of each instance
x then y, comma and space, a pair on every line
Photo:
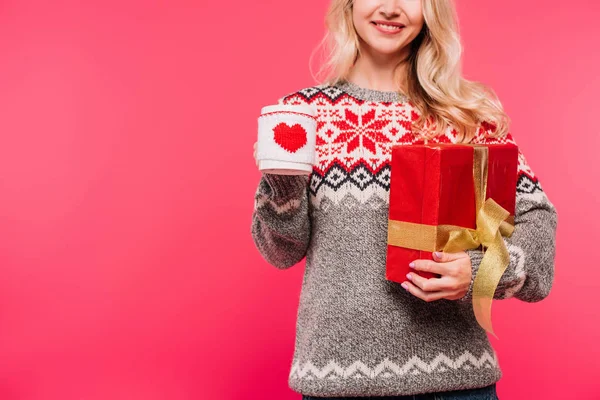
284, 135
358, 334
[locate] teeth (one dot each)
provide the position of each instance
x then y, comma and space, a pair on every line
389, 27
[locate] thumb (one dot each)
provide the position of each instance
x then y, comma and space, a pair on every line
440, 256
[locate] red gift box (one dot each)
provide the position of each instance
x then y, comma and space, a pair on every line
434, 185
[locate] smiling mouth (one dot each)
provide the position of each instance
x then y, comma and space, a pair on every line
388, 27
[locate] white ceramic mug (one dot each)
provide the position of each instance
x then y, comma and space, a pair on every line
286, 139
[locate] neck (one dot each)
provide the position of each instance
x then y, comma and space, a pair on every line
379, 72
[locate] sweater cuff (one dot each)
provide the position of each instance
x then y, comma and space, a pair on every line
286, 186
476, 255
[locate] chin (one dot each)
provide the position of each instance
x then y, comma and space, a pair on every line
387, 51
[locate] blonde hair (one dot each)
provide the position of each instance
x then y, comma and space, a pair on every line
435, 85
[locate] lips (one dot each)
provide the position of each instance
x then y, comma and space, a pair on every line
390, 23
386, 30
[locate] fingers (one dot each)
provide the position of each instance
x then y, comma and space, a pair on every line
255, 160
440, 256
430, 266
450, 285
428, 284
429, 296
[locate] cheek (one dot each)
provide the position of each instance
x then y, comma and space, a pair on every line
414, 12
363, 12
361, 25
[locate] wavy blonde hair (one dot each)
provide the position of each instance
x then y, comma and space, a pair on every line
435, 85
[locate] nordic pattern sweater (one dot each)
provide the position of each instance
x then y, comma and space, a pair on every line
358, 334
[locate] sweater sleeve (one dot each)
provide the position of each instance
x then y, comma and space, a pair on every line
281, 226
530, 274
280, 222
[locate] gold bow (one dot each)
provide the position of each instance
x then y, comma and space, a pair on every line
492, 222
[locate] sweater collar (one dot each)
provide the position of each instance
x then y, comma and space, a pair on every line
367, 94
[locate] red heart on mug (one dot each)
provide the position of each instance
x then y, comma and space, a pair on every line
291, 138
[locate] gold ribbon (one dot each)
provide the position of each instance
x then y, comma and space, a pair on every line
492, 222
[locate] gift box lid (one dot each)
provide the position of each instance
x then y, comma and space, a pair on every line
433, 183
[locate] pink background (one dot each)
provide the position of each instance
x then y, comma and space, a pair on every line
127, 268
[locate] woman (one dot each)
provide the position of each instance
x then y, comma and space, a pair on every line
393, 79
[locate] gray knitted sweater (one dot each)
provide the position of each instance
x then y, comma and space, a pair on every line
358, 334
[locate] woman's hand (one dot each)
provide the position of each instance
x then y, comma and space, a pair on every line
455, 270
255, 160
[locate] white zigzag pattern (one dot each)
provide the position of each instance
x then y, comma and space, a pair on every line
290, 205
350, 196
388, 368
516, 254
